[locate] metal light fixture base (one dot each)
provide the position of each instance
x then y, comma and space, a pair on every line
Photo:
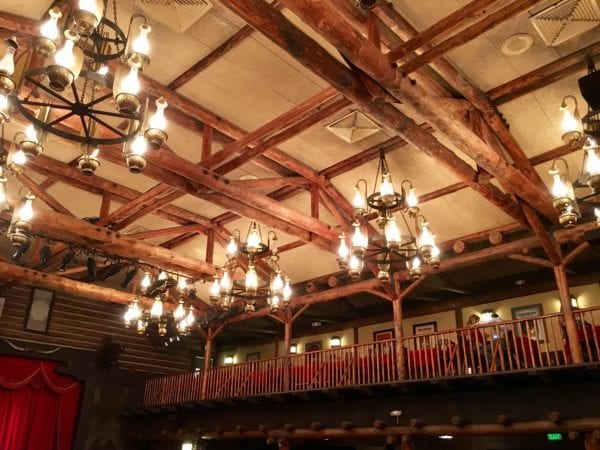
155, 138
45, 46
135, 163
86, 21
88, 165
31, 149
7, 84
593, 182
568, 219
139, 60
572, 138
128, 104
59, 77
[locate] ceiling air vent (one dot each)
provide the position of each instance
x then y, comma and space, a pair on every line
353, 127
565, 19
178, 15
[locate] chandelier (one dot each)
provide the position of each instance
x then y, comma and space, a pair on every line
156, 322
83, 85
225, 289
391, 246
576, 131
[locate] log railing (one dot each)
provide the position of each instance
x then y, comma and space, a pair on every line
512, 345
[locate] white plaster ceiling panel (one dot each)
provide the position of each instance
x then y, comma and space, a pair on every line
187, 142
308, 153
120, 174
212, 29
194, 248
301, 202
306, 262
80, 203
424, 14
199, 206
32, 9
151, 222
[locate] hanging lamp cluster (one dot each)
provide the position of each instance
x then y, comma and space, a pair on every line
392, 246
73, 93
226, 289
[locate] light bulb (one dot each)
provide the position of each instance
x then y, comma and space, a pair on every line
253, 240
91, 6
435, 251
128, 317
26, 212
569, 123
65, 57
226, 283
592, 165
358, 238
277, 282
31, 133
343, 250
287, 290
95, 153
215, 290
426, 238
7, 62
411, 199
190, 319
3, 104
559, 188
3, 197
182, 284
19, 158
274, 301
146, 281
232, 247
140, 43
141, 325
49, 29
391, 232
130, 84
157, 308
386, 188
162, 275
102, 70
158, 119
179, 312
251, 279
355, 263
136, 312
139, 145
358, 200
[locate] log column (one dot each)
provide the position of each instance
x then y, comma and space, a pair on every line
208, 349
287, 342
562, 284
399, 347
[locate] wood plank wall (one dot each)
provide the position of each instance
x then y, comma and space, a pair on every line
82, 323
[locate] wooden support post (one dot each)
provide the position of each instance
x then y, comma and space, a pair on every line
314, 201
287, 343
210, 246
397, 308
207, 137
591, 442
208, 349
562, 284
105, 206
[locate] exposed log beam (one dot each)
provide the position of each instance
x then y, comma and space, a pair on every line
458, 18
207, 139
547, 242
213, 56
468, 34
312, 55
43, 195
545, 75
533, 260
151, 234
270, 183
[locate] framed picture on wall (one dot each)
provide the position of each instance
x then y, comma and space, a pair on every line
314, 346
252, 356
425, 328
383, 335
39, 311
534, 328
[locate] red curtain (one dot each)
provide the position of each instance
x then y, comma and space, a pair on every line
38, 407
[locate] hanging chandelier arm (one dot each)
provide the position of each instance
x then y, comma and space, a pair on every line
32, 103
93, 112
86, 128
53, 93
99, 100
110, 127
60, 119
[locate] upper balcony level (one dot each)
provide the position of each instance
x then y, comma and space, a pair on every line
501, 347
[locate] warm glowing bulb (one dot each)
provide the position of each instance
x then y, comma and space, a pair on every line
158, 119
146, 281
102, 70
277, 283
253, 240
411, 199
559, 188
91, 6
232, 247
569, 123
435, 251
162, 275
26, 211
190, 319
592, 165
3, 104
355, 263
3, 197
358, 238
65, 57
274, 300
343, 250
179, 312
140, 43
226, 282
135, 312
7, 62
391, 231
182, 284
49, 29
31, 133
130, 84
251, 279
416, 262
157, 308
128, 316
95, 153
287, 290
386, 188
358, 200
19, 158
214, 288
426, 238
139, 145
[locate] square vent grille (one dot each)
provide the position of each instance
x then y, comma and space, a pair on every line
178, 15
566, 19
353, 127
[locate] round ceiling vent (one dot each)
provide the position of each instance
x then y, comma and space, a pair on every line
517, 44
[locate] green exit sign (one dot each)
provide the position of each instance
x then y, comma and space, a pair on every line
554, 436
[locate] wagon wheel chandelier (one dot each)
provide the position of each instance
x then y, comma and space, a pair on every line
225, 289
392, 246
68, 88
575, 131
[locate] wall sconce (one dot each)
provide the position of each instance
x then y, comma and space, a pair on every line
187, 445
487, 315
335, 342
228, 360
574, 302
293, 349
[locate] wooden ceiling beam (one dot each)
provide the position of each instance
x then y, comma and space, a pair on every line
389, 16
213, 56
468, 34
318, 60
545, 75
457, 19
152, 234
270, 183
43, 195
369, 59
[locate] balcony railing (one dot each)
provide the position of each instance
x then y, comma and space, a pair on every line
513, 345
